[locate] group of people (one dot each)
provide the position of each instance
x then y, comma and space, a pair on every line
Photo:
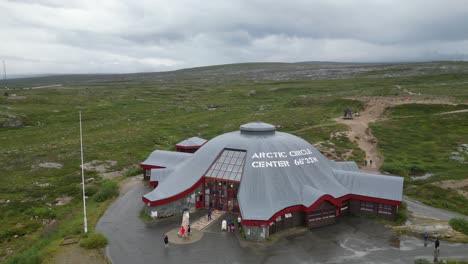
183, 233
226, 225
366, 163
436, 246
229, 225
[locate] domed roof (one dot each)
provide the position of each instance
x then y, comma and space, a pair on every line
257, 127
280, 170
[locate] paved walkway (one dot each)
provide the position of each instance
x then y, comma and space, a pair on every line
203, 222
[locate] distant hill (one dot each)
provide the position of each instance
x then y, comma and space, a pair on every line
258, 71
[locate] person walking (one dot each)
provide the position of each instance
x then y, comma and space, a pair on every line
365, 163
426, 237
166, 240
437, 244
188, 230
209, 214
370, 163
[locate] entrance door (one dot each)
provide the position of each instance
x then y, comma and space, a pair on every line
221, 195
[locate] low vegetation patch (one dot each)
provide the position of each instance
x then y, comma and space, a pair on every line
119, 124
93, 240
109, 189
439, 197
459, 224
145, 217
134, 171
402, 214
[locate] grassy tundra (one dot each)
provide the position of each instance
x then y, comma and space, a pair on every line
125, 117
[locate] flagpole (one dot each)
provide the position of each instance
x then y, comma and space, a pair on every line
82, 179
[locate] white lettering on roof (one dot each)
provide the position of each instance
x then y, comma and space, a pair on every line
297, 157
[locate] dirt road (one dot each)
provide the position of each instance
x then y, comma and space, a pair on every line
375, 106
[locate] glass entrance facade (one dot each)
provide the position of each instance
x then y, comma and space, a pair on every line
222, 180
221, 195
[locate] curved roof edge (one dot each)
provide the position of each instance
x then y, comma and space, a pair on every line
166, 159
191, 142
308, 209
371, 185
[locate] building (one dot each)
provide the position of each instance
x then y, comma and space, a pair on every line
160, 159
274, 180
190, 145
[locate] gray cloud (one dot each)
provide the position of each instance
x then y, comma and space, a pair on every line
55, 36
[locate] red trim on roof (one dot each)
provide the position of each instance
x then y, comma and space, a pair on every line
146, 166
293, 208
369, 199
188, 147
175, 197
221, 179
337, 202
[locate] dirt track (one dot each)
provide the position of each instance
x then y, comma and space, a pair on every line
375, 106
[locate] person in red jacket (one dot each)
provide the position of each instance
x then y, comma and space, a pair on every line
182, 231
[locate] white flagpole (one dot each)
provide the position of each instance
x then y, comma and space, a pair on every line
82, 179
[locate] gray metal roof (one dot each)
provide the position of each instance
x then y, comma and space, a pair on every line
372, 185
281, 170
159, 174
257, 127
167, 159
192, 142
347, 165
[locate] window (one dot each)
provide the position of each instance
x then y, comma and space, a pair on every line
228, 166
385, 209
345, 206
367, 206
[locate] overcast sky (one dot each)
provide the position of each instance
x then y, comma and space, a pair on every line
117, 36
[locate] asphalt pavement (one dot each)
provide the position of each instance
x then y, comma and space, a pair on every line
419, 209
352, 240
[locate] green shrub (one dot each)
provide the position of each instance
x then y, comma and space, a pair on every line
402, 215
94, 240
32, 255
7, 234
416, 170
41, 212
459, 224
422, 261
395, 168
108, 190
91, 190
134, 171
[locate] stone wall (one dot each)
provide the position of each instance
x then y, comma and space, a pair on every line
173, 208
256, 233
